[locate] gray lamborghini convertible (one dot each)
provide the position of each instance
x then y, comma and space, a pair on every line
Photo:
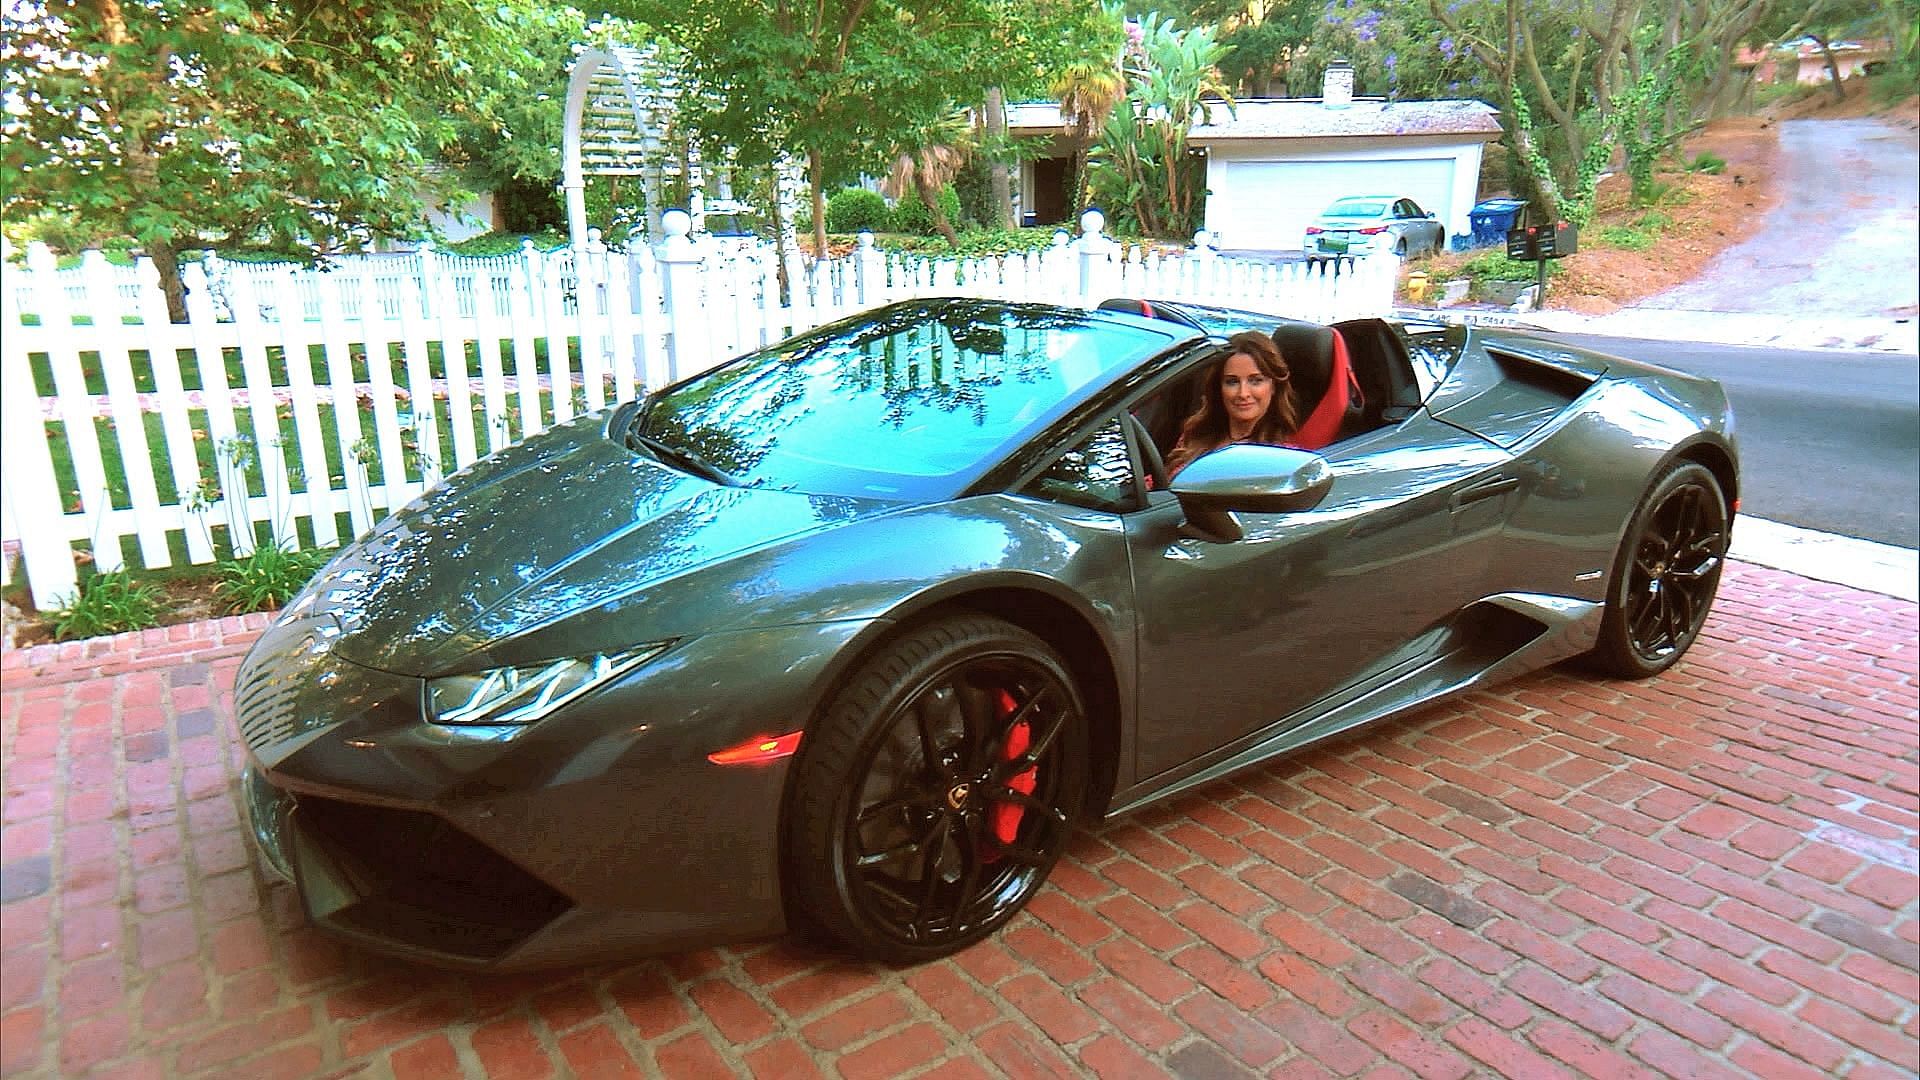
851, 631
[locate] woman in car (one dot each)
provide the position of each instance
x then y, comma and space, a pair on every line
1248, 400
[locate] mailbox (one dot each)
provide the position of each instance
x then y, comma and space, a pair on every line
1530, 243
1533, 243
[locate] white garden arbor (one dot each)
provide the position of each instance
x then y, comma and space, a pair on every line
621, 102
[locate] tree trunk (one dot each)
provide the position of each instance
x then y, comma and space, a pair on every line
999, 182
1833, 66
166, 259
930, 198
779, 224
816, 171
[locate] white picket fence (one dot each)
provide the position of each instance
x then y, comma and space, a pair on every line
311, 402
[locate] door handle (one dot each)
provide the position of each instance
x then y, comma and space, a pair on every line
1485, 489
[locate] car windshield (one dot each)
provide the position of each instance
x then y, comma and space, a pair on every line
1357, 208
907, 402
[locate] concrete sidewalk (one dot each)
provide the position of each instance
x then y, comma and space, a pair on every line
1709, 874
1891, 333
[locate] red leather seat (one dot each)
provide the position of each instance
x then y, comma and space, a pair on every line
1324, 385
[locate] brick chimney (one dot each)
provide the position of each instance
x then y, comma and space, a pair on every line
1336, 87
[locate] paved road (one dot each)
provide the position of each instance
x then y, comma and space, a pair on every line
1828, 440
1844, 239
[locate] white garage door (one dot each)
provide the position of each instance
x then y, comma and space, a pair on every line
1267, 204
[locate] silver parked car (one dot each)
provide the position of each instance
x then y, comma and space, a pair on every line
1363, 224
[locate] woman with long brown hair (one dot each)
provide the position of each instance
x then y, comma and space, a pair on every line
1248, 400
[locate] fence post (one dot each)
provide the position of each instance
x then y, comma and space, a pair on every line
429, 275
31, 487
1096, 250
870, 271
680, 264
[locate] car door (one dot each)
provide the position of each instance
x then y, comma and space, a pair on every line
1239, 640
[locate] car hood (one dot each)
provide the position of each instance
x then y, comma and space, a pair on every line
559, 524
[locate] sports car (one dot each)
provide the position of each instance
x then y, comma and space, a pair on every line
851, 632
1360, 225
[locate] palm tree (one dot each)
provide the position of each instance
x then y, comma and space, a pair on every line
928, 162
1088, 92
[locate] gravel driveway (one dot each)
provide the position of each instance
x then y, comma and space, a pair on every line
1844, 240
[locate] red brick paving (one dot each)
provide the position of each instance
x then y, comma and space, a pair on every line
1710, 874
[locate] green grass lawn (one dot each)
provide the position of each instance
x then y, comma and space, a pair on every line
192, 378
251, 452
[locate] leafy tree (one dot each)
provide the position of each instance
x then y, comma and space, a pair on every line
510, 144
843, 79
305, 124
927, 161
1270, 43
1150, 181
1825, 21
1088, 92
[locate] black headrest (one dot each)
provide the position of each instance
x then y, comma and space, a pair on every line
1149, 309
1308, 350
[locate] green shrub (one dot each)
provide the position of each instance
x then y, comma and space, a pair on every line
107, 604
506, 243
1711, 164
973, 243
1494, 265
851, 210
268, 578
1890, 85
974, 187
1626, 238
912, 216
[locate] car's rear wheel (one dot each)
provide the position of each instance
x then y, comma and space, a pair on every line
938, 789
1665, 575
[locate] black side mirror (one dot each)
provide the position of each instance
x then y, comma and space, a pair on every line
1253, 479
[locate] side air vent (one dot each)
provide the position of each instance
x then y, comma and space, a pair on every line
1562, 383
1530, 394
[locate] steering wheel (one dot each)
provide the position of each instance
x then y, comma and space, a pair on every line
1150, 454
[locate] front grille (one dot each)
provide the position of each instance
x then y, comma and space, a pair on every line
420, 880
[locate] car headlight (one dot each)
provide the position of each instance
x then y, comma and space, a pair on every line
521, 695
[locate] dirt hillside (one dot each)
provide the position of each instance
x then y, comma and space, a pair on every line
1705, 213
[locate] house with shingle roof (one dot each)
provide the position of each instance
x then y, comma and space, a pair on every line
1274, 164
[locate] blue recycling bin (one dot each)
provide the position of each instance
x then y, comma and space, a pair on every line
1491, 220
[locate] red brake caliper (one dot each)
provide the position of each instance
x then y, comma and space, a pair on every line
1006, 816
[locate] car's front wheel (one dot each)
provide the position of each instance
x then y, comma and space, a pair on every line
937, 790
1665, 575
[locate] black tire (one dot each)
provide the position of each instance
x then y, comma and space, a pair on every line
909, 785
1665, 574
1400, 247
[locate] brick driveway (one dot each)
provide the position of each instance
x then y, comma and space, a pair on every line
1710, 874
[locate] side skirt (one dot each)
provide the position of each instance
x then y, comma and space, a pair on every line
1488, 642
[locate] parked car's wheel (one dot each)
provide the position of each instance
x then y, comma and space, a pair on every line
1400, 247
1665, 575
937, 790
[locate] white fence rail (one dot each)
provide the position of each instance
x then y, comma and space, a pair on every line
297, 405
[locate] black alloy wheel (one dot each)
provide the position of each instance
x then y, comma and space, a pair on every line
1666, 574
938, 790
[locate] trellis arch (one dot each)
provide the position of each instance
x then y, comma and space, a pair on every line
620, 101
